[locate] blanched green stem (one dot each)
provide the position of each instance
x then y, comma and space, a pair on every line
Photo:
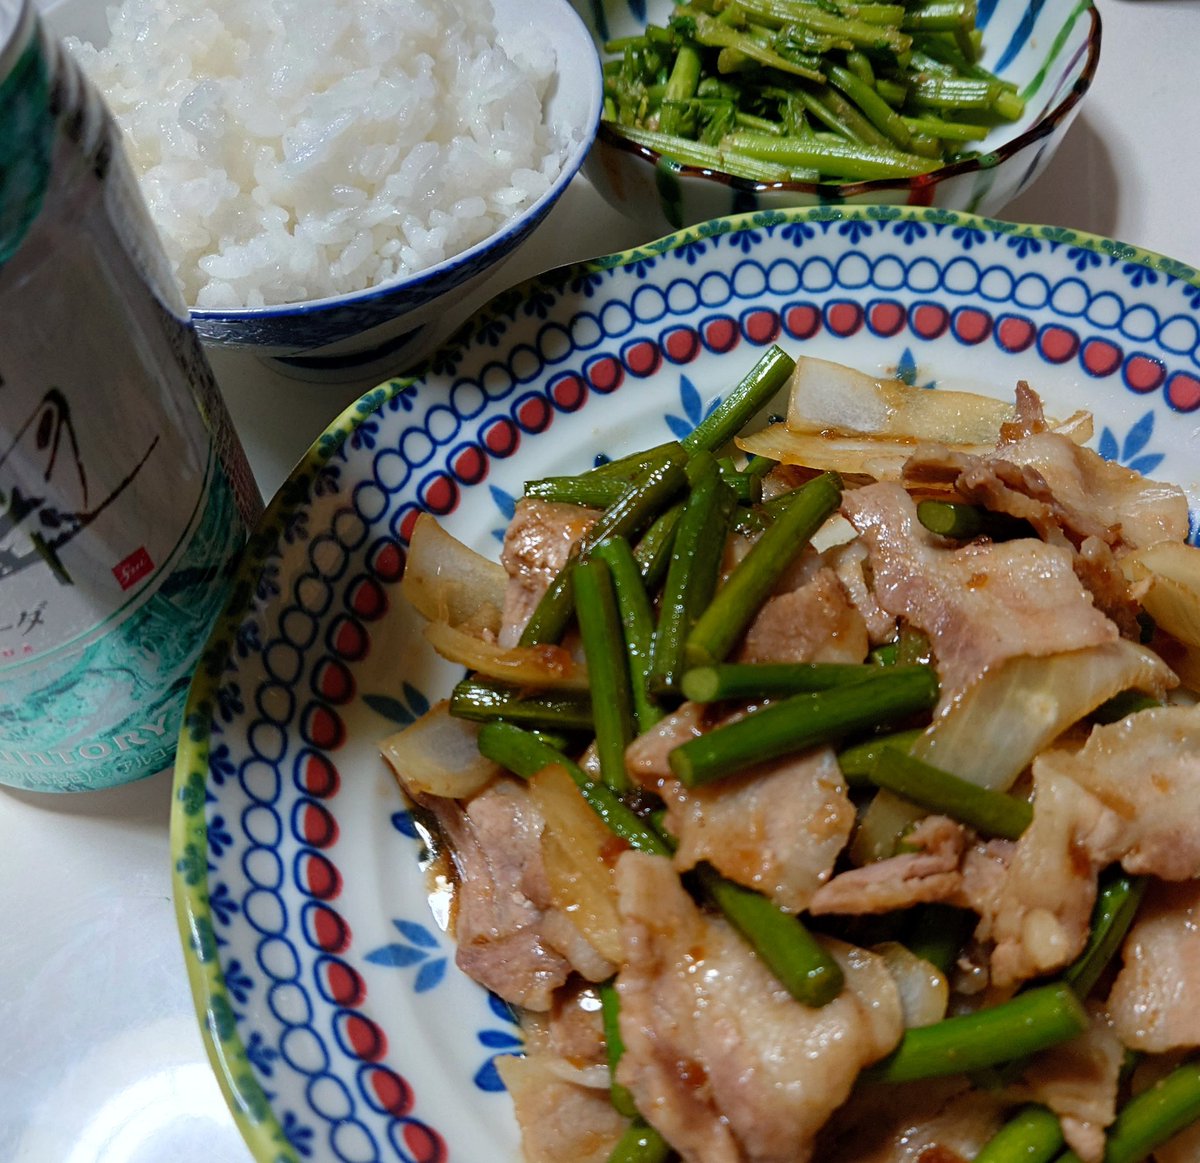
733, 608
692, 574
608, 669
592, 492
1032, 1135
797, 959
874, 107
1117, 904
637, 507
938, 933
524, 754
681, 87
751, 395
1031, 1021
857, 760
653, 552
802, 721
637, 625
990, 812
614, 1045
836, 159
641, 1143
481, 702
963, 522
1152, 1117
756, 680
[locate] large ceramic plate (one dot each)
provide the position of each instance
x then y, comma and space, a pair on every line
325, 984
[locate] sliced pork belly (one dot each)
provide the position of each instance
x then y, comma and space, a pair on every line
1153, 1000
719, 1058
646, 757
1146, 769
979, 603
1077, 1080
559, 1119
510, 937
1084, 494
939, 1120
778, 829
814, 623
849, 562
537, 543
931, 874
1038, 913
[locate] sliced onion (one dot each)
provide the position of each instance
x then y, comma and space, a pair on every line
829, 397
449, 582
992, 731
577, 852
438, 755
881, 457
539, 666
924, 990
1172, 570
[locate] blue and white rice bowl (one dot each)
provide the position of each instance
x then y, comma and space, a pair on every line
396, 322
324, 981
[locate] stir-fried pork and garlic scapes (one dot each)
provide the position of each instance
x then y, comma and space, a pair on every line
831, 790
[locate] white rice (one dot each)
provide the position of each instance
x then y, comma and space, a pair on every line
294, 149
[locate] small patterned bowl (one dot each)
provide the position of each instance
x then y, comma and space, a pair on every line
340, 1029
397, 323
1049, 49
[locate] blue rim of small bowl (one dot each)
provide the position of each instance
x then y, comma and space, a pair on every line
917, 186
249, 1105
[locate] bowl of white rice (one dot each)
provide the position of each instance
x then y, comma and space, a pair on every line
331, 178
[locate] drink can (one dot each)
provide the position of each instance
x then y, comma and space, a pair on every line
125, 495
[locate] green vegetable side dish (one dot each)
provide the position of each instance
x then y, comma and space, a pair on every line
808, 90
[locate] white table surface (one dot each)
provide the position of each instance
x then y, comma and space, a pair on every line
100, 1055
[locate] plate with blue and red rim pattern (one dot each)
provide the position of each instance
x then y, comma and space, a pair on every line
323, 973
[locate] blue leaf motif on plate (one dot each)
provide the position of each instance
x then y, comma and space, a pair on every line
797, 233
745, 240
969, 236
260, 1054
219, 837
694, 411
238, 981
1137, 274
538, 303
404, 823
487, 1077
1083, 258
906, 370
418, 949
1024, 246
299, 1135
856, 231
505, 501
229, 701
405, 400
247, 640
365, 434
413, 706
220, 767
910, 232
326, 480
223, 903
1130, 451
